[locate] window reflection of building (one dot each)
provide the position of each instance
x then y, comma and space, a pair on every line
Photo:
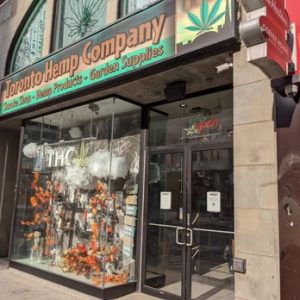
129, 6
29, 47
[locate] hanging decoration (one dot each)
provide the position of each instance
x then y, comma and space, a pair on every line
119, 168
81, 156
97, 164
78, 177
75, 133
100, 167
30, 150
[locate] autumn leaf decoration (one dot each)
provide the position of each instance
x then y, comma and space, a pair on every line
207, 18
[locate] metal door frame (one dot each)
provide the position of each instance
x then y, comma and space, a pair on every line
164, 150
186, 150
190, 149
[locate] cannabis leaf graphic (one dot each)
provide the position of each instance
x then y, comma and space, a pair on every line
83, 16
207, 19
81, 157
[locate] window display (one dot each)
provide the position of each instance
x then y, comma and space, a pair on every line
78, 193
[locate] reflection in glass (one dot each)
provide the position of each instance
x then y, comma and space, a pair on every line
205, 119
163, 260
212, 172
29, 47
165, 175
212, 223
129, 6
206, 235
211, 266
78, 19
77, 201
164, 256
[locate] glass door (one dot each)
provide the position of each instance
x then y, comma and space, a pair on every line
189, 238
164, 269
210, 223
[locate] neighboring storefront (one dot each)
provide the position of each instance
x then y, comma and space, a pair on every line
143, 158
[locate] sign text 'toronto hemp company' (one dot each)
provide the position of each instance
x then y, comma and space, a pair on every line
133, 43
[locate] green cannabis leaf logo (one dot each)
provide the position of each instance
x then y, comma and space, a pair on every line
207, 19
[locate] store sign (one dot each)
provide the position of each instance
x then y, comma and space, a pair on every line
265, 35
199, 22
57, 156
201, 125
162, 31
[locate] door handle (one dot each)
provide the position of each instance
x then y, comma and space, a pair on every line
177, 236
191, 237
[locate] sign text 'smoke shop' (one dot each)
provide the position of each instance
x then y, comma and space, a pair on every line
162, 31
265, 34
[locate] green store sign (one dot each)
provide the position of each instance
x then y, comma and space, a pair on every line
131, 44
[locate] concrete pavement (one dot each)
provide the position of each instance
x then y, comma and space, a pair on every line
17, 285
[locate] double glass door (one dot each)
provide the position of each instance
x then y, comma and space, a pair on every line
189, 238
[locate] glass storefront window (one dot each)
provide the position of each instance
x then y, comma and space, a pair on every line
129, 6
77, 19
196, 120
78, 192
29, 47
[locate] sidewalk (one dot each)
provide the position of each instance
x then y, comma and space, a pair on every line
17, 285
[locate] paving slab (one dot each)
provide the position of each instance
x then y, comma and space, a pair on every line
18, 285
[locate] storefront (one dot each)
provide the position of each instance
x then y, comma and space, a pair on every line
125, 175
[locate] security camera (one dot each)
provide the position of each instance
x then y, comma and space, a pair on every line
291, 90
224, 67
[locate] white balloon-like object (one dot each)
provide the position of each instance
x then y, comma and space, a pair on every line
78, 177
30, 150
99, 165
